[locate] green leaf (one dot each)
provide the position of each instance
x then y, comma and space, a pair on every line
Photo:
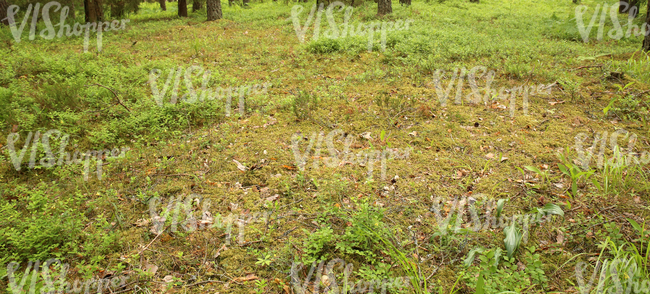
500, 204
635, 225
480, 284
512, 240
533, 169
470, 256
551, 208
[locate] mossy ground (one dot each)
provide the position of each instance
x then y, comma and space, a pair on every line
179, 150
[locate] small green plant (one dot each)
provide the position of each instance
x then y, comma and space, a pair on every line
261, 285
497, 273
611, 102
303, 105
571, 87
543, 175
264, 259
573, 171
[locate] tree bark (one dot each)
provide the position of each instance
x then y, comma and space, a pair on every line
384, 7
197, 5
3, 12
182, 8
245, 3
646, 25
627, 6
163, 4
214, 9
99, 9
89, 11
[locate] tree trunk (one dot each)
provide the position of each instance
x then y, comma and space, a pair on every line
118, 9
384, 7
163, 4
182, 8
197, 5
408, 2
3, 12
214, 9
245, 3
89, 11
627, 6
646, 25
99, 9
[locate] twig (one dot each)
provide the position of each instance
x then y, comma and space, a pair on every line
154, 239
203, 282
118, 99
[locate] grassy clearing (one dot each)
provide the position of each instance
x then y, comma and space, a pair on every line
384, 227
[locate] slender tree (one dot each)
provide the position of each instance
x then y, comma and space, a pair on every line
197, 5
163, 4
384, 7
3, 12
182, 8
214, 9
646, 25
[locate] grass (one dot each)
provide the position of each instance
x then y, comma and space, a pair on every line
319, 86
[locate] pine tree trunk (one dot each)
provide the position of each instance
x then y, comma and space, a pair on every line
214, 9
384, 7
163, 4
99, 10
89, 11
197, 5
182, 8
646, 40
625, 6
3, 12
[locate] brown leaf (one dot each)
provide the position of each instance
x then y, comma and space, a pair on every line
272, 198
560, 237
248, 277
556, 102
240, 166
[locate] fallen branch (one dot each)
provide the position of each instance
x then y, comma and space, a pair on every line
118, 99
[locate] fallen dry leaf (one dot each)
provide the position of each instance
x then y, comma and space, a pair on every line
272, 198
248, 277
240, 166
556, 102
142, 222
489, 156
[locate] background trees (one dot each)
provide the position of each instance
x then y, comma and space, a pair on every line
384, 7
213, 8
182, 8
3, 12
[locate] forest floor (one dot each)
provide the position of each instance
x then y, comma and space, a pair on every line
394, 182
